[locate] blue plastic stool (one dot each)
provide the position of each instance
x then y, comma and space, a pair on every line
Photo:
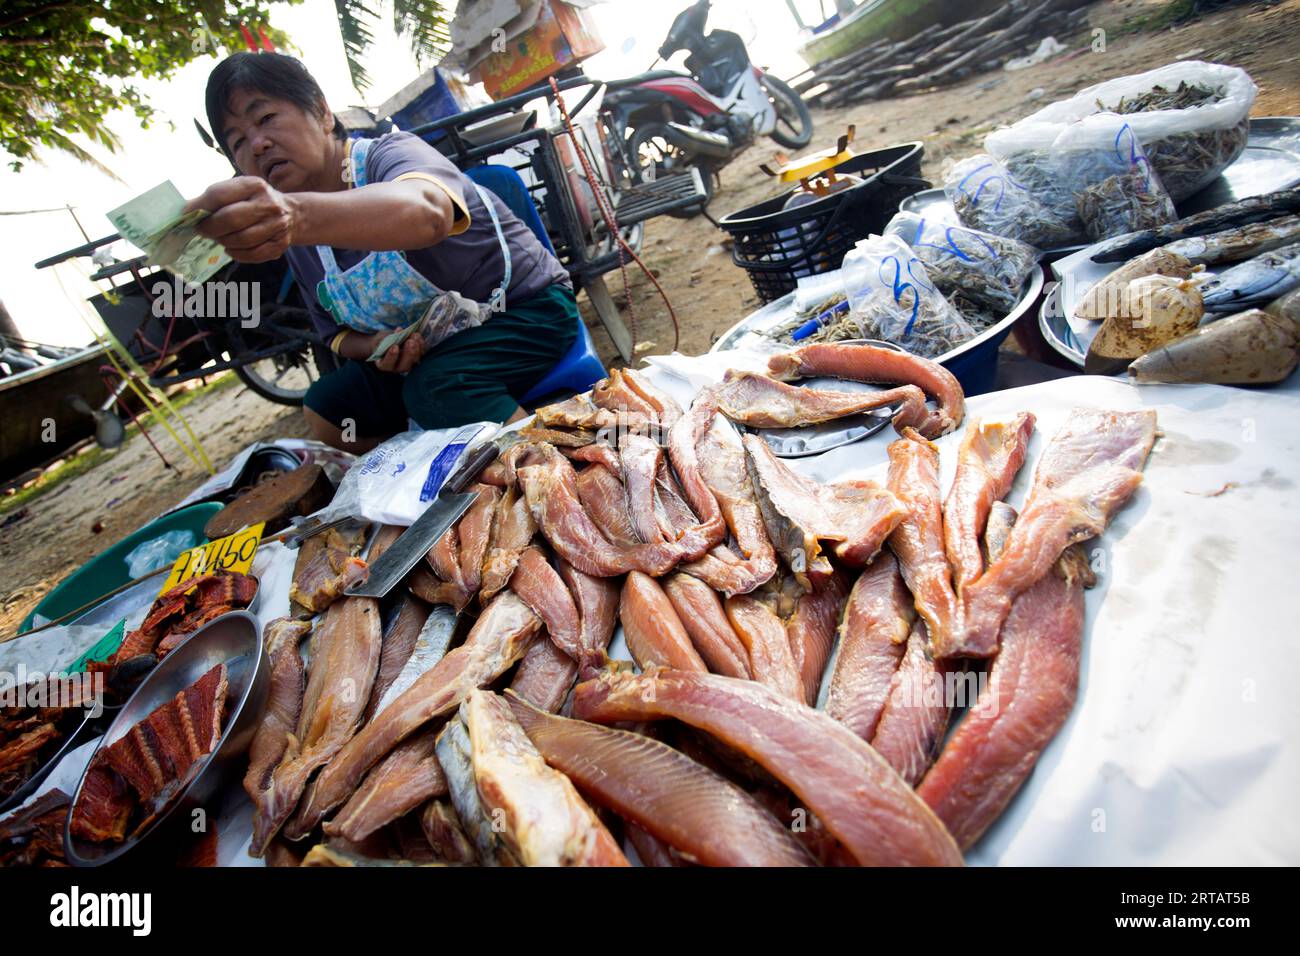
580, 368
577, 371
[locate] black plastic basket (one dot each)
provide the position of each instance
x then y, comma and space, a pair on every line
778, 246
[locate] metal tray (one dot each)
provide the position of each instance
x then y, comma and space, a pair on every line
814, 439
1271, 162
233, 639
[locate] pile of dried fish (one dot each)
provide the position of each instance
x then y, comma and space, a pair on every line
736, 581
133, 780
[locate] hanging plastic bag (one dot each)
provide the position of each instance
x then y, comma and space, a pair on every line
1192, 118
891, 297
985, 269
989, 198
1116, 190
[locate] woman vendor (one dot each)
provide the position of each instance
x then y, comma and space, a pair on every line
374, 231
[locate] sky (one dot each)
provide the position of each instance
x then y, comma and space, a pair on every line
47, 308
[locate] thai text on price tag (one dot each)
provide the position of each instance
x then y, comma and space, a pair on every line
233, 553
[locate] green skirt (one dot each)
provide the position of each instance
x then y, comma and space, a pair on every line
476, 375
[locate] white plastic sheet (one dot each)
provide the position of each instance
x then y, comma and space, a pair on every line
1182, 748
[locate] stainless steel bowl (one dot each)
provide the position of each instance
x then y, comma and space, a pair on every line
235, 640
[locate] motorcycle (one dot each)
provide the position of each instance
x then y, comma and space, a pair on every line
669, 120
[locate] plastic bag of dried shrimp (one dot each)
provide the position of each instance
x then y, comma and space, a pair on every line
988, 197
987, 269
892, 297
1116, 190
1191, 117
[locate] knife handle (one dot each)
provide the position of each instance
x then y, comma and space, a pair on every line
479, 458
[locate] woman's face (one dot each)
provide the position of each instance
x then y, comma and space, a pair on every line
279, 141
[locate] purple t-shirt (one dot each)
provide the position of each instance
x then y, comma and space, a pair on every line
469, 263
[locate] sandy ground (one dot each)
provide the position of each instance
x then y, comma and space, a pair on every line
708, 292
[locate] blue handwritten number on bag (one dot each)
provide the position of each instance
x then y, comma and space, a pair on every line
1135, 156
899, 286
950, 247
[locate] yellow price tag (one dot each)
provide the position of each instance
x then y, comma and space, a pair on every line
232, 553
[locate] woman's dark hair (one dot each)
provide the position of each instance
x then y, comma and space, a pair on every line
273, 74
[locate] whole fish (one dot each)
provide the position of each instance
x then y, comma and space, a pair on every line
1241, 242
534, 810
1254, 282
1240, 213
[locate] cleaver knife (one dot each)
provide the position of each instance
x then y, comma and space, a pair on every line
414, 543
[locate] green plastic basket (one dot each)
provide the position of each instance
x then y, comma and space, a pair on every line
107, 572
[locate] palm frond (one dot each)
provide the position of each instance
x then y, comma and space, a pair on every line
425, 25
355, 20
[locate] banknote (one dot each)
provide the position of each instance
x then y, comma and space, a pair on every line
156, 222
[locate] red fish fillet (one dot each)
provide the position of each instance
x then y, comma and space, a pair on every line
915, 716
597, 453
543, 820
513, 528
873, 637
654, 633
990, 456
406, 622
604, 497
497, 640
399, 783
880, 366
597, 601
545, 676
811, 631
855, 793
551, 489
701, 612
763, 402
771, 661
800, 513
475, 530
664, 405
683, 441
1034, 681
341, 670
722, 463
541, 588
918, 540
640, 458
1085, 476
702, 815
616, 394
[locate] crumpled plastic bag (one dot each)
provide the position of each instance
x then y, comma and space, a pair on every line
892, 297
159, 552
397, 480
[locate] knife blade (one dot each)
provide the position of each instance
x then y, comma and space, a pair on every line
414, 543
